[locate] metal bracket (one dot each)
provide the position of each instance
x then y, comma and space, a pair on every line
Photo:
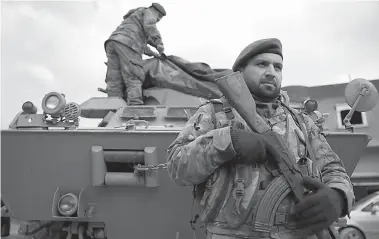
131, 124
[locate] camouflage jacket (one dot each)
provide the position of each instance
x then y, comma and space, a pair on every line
137, 30
204, 145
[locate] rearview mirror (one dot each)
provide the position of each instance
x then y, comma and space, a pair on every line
361, 95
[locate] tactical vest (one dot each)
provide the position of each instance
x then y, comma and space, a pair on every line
265, 208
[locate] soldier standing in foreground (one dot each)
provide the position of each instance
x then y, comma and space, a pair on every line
124, 49
232, 167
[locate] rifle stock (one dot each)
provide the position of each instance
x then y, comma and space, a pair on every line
234, 88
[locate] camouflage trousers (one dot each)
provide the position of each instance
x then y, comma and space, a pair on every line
125, 74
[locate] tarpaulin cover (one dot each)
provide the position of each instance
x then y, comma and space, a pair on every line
194, 78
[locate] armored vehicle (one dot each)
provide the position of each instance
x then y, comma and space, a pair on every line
60, 179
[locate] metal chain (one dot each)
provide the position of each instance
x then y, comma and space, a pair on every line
141, 168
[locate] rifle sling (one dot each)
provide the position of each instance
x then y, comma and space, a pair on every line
299, 120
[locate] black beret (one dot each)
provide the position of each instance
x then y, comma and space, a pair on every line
270, 45
159, 8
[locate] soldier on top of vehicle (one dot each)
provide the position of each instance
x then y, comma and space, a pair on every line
215, 138
124, 49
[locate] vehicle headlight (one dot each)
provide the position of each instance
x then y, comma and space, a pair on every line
68, 204
310, 105
53, 103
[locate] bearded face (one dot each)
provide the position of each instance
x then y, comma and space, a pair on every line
263, 76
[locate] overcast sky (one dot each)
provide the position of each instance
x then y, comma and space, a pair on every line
58, 45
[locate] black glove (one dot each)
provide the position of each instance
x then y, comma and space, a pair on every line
250, 146
320, 209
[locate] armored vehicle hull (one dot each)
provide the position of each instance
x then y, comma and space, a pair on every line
53, 163
117, 203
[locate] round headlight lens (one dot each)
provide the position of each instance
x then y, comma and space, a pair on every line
52, 102
68, 204
310, 105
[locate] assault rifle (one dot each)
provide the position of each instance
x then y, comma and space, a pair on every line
235, 90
